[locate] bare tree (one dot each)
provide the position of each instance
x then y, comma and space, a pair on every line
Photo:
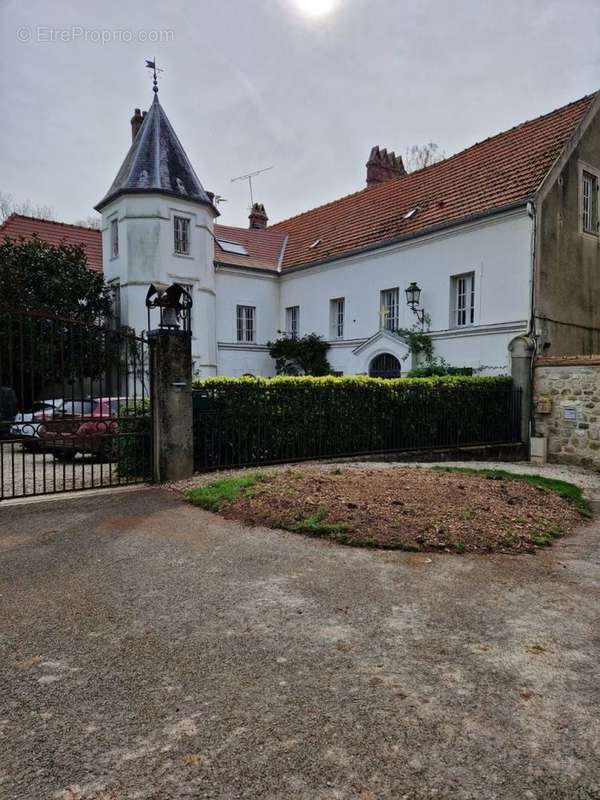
91, 221
8, 206
422, 155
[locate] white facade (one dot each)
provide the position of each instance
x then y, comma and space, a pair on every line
259, 290
158, 227
495, 251
146, 255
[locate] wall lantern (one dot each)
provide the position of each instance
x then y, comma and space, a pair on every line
174, 303
413, 295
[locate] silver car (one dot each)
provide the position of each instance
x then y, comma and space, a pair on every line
27, 424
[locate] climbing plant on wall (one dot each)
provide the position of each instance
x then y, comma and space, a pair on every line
305, 355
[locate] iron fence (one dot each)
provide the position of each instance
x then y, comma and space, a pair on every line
74, 410
280, 427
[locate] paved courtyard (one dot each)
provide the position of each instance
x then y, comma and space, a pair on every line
150, 650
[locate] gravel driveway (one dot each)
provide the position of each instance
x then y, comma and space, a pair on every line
151, 650
24, 474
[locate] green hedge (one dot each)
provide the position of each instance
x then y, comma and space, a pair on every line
244, 421
133, 444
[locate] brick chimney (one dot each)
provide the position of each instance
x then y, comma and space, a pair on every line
258, 216
383, 166
136, 122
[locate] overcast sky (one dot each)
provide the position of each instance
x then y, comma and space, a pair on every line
259, 83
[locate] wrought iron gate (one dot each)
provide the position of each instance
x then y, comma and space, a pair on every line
74, 405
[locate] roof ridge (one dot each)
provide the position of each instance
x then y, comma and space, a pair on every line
402, 178
245, 230
50, 221
510, 130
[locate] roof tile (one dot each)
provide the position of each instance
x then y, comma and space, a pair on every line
265, 247
492, 174
18, 226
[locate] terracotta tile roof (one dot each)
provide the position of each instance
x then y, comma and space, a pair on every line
502, 170
17, 226
264, 246
497, 172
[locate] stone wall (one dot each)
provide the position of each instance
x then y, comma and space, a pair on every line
567, 408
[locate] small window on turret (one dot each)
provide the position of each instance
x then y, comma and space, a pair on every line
182, 235
114, 237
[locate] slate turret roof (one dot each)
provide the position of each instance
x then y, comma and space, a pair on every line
157, 162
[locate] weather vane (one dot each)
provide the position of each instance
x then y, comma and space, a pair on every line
152, 65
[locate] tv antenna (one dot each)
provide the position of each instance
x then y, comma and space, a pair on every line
248, 178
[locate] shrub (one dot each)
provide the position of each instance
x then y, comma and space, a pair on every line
241, 421
296, 356
438, 369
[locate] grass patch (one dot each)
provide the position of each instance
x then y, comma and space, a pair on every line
315, 526
566, 490
215, 495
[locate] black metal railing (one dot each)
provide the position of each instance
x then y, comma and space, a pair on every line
74, 405
274, 428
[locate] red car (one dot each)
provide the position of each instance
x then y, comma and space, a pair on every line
83, 426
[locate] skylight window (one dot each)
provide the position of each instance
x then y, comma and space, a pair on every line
232, 247
314, 244
410, 214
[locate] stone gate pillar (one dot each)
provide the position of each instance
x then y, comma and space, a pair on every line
171, 398
521, 351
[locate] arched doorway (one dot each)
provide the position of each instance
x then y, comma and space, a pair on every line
385, 365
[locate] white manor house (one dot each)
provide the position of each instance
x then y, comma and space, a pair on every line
501, 239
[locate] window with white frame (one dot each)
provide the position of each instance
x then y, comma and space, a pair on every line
114, 237
181, 230
292, 321
336, 313
463, 299
589, 200
245, 322
390, 309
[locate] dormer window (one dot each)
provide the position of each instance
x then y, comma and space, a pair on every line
182, 235
114, 237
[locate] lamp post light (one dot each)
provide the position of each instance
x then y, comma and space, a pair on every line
413, 295
174, 303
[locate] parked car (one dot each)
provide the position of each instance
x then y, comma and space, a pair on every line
8, 408
82, 426
26, 424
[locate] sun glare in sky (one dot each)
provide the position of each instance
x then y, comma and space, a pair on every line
316, 8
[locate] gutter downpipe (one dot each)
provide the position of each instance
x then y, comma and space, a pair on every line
533, 213
523, 347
